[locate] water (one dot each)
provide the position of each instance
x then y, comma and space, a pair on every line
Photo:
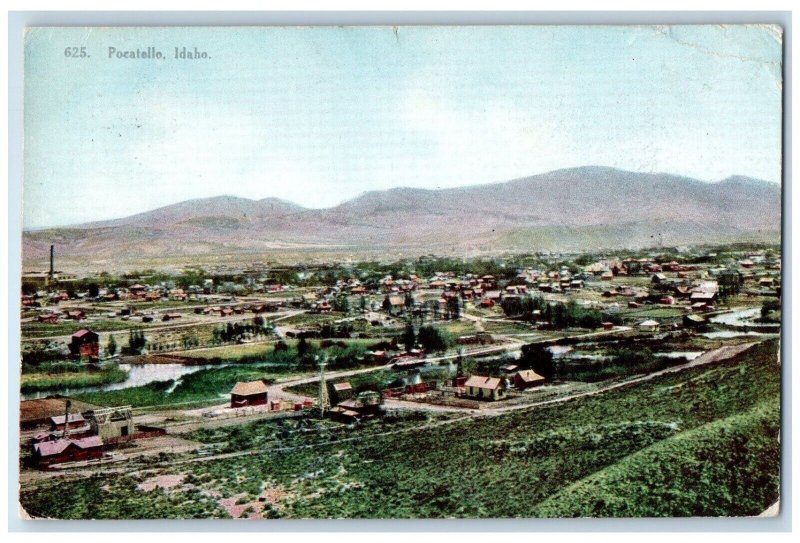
138, 375
559, 350
726, 334
688, 355
741, 317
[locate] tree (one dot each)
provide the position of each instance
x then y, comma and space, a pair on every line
730, 282
112, 346
302, 347
341, 303
539, 359
433, 339
409, 337
453, 308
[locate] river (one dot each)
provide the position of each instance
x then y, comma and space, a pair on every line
138, 375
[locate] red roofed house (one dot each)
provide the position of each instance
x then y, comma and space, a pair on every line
527, 378
85, 343
249, 393
485, 388
76, 420
47, 453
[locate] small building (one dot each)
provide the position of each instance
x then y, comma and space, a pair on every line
485, 388
693, 321
249, 393
649, 325
85, 343
527, 379
111, 423
48, 453
607, 325
75, 421
509, 369
342, 391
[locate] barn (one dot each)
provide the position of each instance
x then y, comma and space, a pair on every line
85, 343
74, 422
249, 393
527, 379
59, 451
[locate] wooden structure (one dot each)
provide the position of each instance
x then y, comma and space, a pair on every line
485, 388
527, 379
85, 343
248, 394
48, 453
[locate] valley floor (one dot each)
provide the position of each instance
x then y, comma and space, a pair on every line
700, 440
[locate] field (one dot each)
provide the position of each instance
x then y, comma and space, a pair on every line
44, 380
703, 441
205, 385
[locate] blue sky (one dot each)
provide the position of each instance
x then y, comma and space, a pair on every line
320, 115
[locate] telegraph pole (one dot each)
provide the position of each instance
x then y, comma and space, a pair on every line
323, 400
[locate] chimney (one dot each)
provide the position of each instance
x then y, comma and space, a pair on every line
67, 405
52, 261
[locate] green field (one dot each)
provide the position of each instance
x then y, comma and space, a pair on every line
702, 442
37, 330
203, 385
56, 381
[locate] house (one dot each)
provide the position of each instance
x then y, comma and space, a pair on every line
48, 453
649, 325
658, 279
323, 307
170, 317
49, 318
75, 421
342, 392
137, 290
249, 393
76, 315
366, 405
607, 276
485, 388
607, 325
693, 321
527, 379
85, 343
509, 369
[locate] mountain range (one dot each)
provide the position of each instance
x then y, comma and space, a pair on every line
584, 208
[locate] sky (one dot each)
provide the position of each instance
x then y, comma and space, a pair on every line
319, 115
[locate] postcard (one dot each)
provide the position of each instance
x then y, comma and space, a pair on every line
406, 272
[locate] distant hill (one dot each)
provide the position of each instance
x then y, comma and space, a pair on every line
571, 209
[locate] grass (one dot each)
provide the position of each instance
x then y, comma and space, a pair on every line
655, 313
712, 465
199, 386
61, 381
699, 442
36, 330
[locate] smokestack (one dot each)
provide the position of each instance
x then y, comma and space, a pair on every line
67, 405
52, 261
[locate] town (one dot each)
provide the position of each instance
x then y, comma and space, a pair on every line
140, 373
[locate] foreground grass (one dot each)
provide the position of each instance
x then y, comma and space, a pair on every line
699, 442
722, 468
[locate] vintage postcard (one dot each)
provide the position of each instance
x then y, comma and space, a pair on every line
402, 272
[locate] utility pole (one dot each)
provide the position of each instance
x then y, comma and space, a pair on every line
323, 400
